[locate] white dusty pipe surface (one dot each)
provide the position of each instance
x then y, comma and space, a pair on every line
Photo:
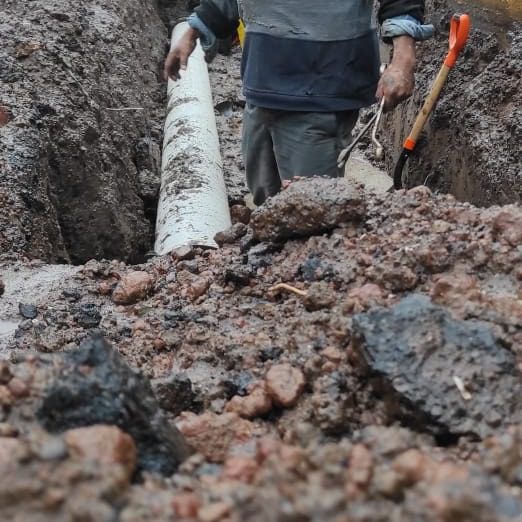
193, 203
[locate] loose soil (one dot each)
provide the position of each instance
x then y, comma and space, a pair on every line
344, 356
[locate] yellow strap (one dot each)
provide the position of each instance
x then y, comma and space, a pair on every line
241, 32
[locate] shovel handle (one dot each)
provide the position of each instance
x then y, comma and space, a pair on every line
459, 31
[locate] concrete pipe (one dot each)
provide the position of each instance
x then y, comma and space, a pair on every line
193, 204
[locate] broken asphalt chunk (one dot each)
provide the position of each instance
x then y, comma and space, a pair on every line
438, 374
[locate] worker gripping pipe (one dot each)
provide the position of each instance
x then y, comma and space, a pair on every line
193, 204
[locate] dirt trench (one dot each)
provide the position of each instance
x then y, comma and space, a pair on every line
80, 128
471, 144
380, 384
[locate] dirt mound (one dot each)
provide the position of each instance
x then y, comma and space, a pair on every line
307, 208
281, 420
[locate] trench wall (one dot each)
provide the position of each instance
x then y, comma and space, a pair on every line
471, 145
80, 127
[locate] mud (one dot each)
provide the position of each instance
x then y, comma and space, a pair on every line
29, 284
277, 390
470, 147
79, 147
330, 446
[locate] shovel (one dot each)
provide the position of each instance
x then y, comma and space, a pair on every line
459, 32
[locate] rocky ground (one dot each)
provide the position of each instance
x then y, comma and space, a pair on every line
359, 360
343, 357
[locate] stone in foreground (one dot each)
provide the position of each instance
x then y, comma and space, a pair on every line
438, 374
95, 386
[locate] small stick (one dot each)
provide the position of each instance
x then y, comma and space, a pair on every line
462, 388
284, 286
124, 109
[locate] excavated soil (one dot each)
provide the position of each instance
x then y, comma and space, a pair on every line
343, 357
330, 398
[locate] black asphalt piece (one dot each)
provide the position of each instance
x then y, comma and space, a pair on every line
438, 374
111, 393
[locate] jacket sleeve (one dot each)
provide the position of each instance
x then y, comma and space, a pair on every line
220, 16
392, 8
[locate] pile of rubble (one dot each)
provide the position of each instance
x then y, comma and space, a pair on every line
347, 357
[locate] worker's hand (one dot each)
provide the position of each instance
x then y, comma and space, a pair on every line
398, 80
179, 54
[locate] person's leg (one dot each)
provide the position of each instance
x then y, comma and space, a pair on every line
262, 174
307, 144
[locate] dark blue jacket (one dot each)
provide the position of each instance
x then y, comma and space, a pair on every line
307, 55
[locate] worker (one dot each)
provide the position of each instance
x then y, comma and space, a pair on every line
308, 67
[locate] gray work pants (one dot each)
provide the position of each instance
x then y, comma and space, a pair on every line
280, 145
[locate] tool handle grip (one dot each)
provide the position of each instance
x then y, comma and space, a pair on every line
459, 32
427, 108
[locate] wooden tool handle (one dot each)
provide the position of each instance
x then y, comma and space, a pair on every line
459, 32
427, 108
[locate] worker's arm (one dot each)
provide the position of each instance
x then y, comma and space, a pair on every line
211, 19
402, 25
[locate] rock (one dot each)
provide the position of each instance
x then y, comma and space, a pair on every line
159, 344
412, 466
503, 455
132, 288
25, 49
331, 402
231, 234
366, 296
198, 288
361, 466
184, 253
416, 353
508, 226
88, 315
11, 451
214, 511
285, 384
239, 275
319, 296
213, 435
257, 403
175, 394
28, 311
2, 288
18, 388
307, 208
107, 445
186, 505
6, 397
8, 430
95, 386
5, 118
477, 497
5, 372
240, 214
240, 468
48, 447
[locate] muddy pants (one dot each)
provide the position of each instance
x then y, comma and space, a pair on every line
279, 145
